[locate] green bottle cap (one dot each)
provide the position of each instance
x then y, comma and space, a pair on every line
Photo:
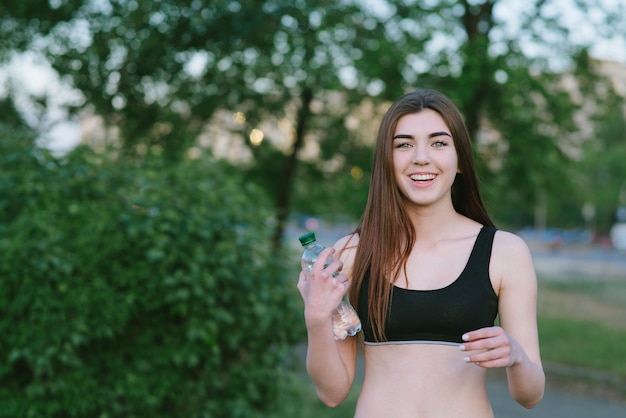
307, 238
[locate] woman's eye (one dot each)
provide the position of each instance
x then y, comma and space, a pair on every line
403, 145
439, 144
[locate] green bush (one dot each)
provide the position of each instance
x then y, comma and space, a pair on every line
130, 291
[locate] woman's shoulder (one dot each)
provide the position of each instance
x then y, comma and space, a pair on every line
345, 248
511, 257
346, 243
509, 243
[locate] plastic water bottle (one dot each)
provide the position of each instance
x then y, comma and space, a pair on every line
345, 319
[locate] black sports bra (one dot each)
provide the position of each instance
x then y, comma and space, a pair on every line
440, 316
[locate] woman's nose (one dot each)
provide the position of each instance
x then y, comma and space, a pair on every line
420, 155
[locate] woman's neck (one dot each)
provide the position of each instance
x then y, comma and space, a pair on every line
435, 225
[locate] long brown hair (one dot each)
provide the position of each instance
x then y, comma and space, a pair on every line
386, 234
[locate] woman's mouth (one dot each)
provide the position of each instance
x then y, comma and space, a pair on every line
422, 177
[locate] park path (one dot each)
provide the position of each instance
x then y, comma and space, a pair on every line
556, 403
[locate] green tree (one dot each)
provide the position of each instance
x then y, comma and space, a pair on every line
138, 290
159, 70
604, 180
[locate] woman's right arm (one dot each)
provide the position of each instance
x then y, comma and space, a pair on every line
330, 364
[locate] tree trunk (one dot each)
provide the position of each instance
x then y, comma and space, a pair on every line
288, 177
478, 21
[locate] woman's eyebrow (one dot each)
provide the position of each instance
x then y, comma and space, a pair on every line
441, 133
403, 136
432, 135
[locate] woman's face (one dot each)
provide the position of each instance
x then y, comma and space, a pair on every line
424, 158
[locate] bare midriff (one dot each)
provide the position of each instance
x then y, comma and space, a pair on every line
419, 380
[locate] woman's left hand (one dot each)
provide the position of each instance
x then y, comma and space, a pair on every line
490, 347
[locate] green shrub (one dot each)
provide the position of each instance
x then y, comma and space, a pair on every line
139, 291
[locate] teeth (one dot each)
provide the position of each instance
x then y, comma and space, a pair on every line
422, 177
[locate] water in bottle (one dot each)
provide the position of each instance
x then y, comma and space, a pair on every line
345, 319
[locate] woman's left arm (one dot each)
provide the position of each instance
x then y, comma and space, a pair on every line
515, 344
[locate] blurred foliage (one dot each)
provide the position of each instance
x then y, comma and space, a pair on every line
137, 290
601, 172
11, 117
160, 70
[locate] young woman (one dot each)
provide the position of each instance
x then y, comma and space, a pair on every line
427, 273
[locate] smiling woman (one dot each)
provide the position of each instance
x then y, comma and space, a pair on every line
428, 274
424, 157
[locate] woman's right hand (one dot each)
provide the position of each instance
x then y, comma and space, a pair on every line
323, 290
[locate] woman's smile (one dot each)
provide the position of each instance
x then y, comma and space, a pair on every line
424, 152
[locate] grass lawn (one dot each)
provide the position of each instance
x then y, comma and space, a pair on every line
583, 344
583, 324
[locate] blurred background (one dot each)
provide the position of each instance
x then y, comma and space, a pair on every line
159, 159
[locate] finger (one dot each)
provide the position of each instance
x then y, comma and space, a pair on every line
329, 281
483, 339
301, 285
484, 355
484, 344
482, 333
500, 343
336, 265
343, 281
497, 357
491, 364
334, 268
336, 279
343, 278
322, 259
